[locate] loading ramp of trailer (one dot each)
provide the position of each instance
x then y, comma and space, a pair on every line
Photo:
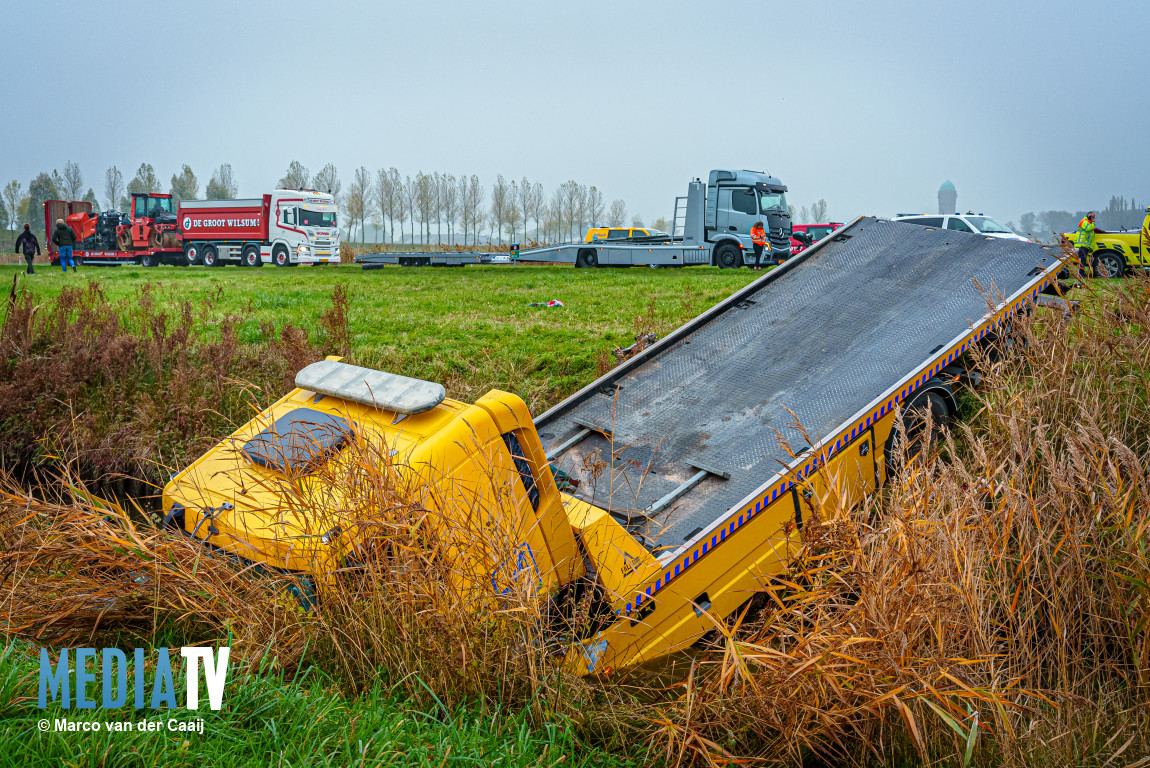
695, 420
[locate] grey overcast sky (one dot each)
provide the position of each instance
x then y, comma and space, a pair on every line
1023, 105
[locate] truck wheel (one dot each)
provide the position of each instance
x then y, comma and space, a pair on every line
728, 256
280, 257
149, 260
914, 422
211, 256
1108, 264
192, 255
588, 257
251, 257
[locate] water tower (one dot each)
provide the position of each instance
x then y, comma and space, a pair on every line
947, 198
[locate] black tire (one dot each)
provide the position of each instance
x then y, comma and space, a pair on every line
149, 260
251, 257
1108, 264
728, 256
914, 422
281, 257
192, 254
210, 256
588, 258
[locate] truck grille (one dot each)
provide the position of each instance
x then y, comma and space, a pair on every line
780, 242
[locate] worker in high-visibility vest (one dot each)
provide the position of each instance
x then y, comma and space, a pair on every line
1084, 238
759, 241
1146, 235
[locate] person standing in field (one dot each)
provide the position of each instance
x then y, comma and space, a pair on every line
759, 241
28, 243
1084, 240
64, 238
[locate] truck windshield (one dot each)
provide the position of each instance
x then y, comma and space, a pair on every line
308, 218
772, 201
988, 226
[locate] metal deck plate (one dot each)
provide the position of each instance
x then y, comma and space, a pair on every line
823, 337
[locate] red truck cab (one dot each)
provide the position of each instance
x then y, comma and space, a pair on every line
816, 232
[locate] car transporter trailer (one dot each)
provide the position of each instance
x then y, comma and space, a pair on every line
707, 230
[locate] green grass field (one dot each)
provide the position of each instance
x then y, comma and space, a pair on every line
273, 719
469, 328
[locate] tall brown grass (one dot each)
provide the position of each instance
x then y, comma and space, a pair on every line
990, 605
129, 389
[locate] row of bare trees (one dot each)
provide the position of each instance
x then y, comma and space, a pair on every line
445, 209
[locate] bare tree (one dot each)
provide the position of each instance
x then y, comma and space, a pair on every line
296, 177
538, 206
617, 216
358, 200
819, 212
526, 201
464, 192
73, 186
499, 193
570, 207
476, 196
400, 211
113, 188
327, 180
662, 224
514, 209
581, 211
637, 221
437, 205
222, 185
410, 193
13, 195
555, 213
424, 201
804, 215
594, 207
384, 198
449, 197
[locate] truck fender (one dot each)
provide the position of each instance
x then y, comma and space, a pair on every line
718, 240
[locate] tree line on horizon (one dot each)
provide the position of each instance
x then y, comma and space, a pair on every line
393, 205
1048, 226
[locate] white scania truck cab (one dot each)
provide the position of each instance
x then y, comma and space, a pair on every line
306, 225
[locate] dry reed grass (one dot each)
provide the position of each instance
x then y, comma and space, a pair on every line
990, 605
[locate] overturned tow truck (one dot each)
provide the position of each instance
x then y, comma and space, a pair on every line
699, 498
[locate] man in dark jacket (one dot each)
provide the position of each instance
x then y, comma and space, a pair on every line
28, 243
64, 238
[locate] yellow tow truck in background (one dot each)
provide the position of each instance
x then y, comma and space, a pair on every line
1119, 252
662, 489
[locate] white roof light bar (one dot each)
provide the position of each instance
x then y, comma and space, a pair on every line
388, 391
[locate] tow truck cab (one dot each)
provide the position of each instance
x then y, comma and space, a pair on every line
474, 467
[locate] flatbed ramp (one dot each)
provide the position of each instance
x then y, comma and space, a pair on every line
694, 421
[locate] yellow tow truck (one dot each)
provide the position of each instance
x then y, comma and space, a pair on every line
1119, 253
662, 488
